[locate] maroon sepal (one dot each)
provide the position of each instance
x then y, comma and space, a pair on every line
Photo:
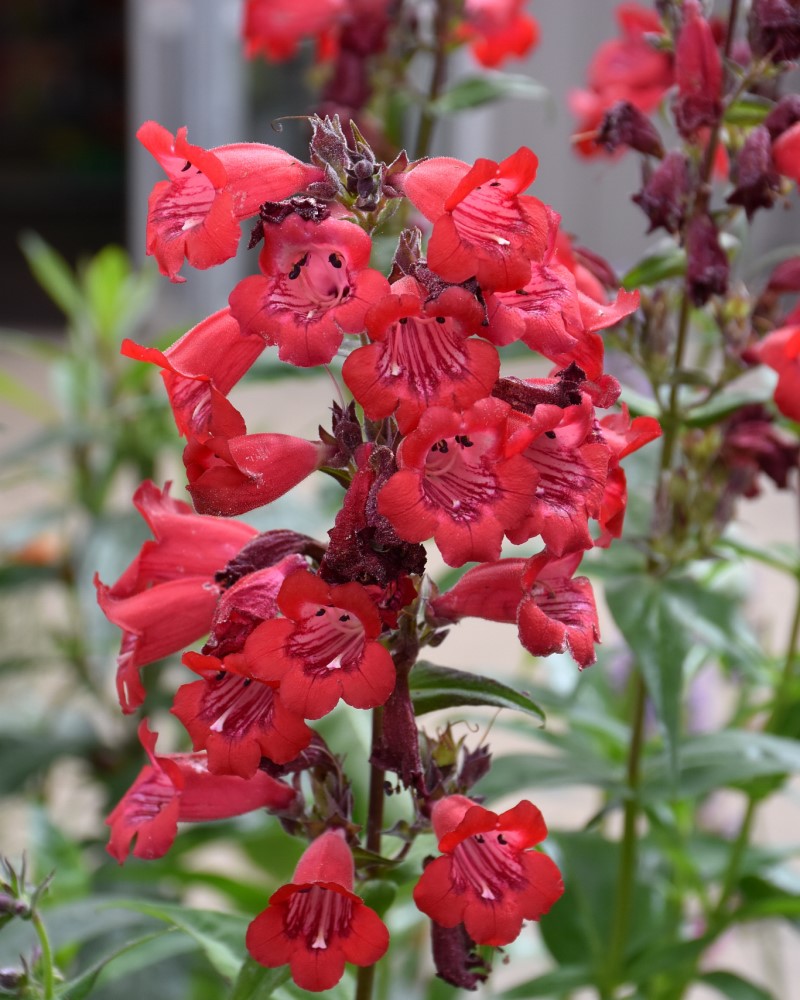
456, 958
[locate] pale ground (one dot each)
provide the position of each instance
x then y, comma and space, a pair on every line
769, 954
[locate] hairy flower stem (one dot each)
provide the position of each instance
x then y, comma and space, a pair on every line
46, 960
366, 974
428, 117
627, 862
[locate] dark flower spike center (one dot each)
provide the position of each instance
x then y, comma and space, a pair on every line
234, 704
318, 915
459, 478
318, 281
487, 864
329, 639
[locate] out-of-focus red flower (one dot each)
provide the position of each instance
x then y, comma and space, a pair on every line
786, 153
459, 482
275, 28
698, 71
316, 923
195, 214
498, 30
166, 598
325, 648
231, 472
421, 355
628, 68
483, 226
488, 878
210, 358
780, 350
236, 717
315, 286
175, 788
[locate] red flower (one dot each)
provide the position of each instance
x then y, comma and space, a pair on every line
698, 71
274, 28
781, 351
498, 29
786, 153
488, 878
483, 227
236, 717
195, 214
166, 597
624, 69
421, 355
315, 287
558, 613
231, 471
316, 923
179, 788
325, 648
209, 359
490, 590
458, 482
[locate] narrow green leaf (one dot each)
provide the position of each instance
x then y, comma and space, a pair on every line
724, 405
658, 267
24, 398
555, 983
748, 111
434, 687
220, 935
474, 91
660, 644
254, 982
53, 273
733, 986
532, 770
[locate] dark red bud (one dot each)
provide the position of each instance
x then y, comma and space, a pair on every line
663, 196
774, 29
625, 125
707, 266
756, 176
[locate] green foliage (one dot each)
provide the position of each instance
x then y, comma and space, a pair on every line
434, 687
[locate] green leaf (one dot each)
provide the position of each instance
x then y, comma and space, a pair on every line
724, 405
532, 770
254, 982
434, 687
220, 935
474, 91
748, 111
658, 267
660, 643
53, 274
733, 986
140, 953
555, 983
24, 398
716, 760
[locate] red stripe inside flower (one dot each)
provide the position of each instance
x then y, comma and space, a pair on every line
330, 639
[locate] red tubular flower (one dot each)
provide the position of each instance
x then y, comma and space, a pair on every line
316, 923
209, 359
558, 613
231, 472
491, 590
625, 69
195, 214
458, 483
237, 718
781, 351
179, 788
315, 287
324, 649
786, 153
483, 226
488, 878
274, 28
498, 29
572, 467
166, 597
421, 355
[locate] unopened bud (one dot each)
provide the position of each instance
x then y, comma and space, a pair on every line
625, 125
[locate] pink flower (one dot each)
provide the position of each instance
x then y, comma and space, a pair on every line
316, 923
488, 878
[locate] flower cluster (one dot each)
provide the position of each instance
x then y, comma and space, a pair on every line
437, 445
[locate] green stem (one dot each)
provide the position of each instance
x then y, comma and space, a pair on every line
46, 961
366, 974
623, 896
